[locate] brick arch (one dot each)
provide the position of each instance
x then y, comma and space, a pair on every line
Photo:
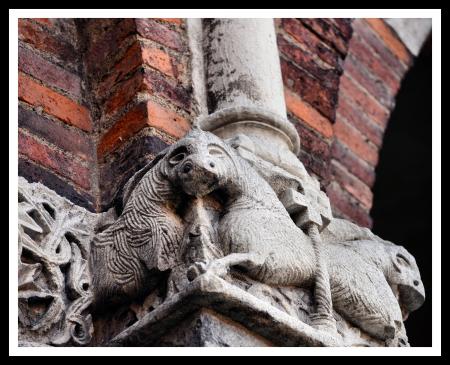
341, 79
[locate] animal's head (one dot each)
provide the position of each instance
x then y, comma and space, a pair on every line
404, 277
199, 163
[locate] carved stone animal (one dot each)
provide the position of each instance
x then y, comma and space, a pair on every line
128, 256
258, 236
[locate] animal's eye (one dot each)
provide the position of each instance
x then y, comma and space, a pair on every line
174, 160
215, 151
402, 259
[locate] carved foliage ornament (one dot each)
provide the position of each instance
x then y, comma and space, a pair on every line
54, 280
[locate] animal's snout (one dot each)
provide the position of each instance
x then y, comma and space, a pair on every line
198, 176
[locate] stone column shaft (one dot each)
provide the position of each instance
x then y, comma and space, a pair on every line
244, 84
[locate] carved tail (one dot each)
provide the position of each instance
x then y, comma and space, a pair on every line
323, 317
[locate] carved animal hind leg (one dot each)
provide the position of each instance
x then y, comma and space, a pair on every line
220, 267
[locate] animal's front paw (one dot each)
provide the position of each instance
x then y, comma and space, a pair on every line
217, 268
196, 269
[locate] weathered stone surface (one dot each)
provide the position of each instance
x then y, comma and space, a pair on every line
201, 210
221, 240
54, 280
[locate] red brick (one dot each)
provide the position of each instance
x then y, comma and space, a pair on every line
131, 123
157, 32
53, 159
124, 93
160, 60
367, 103
146, 113
344, 203
355, 165
57, 133
313, 143
31, 33
369, 36
167, 120
306, 60
309, 40
390, 39
44, 21
373, 85
328, 32
177, 21
377, 66
51, 74
308, 114
358, 119
311, 90
54, 103
356, 141
353, 185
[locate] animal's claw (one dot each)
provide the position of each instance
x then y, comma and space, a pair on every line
196, 269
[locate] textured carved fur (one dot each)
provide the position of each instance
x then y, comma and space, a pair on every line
258, 235
255, 234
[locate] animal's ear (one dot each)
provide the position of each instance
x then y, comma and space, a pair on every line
134, 180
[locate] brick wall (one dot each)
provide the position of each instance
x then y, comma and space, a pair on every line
55, 123
98, 98
341, 77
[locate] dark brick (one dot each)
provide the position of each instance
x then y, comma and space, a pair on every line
313, 143
51, 74
122, 164
36, 173
157, 32
327, 31
310, 89
309, 40
344, 25
33, 34
353, 163
304, 59
169, 89
130, 61
316, 166
68, 139
54, 159
105, 38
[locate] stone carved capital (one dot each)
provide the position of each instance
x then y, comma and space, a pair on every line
209, 224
